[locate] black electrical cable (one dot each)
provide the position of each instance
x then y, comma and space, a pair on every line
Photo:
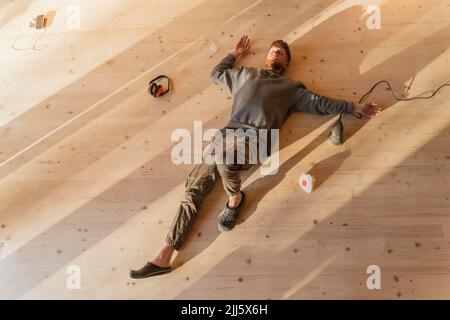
397, 98
337, 131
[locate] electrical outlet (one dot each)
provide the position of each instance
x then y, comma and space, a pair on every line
42, 21
49, 17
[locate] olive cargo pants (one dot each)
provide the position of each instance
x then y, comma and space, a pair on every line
200, 183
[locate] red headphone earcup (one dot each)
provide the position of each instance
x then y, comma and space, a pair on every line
159, 91
156, 89
152, 89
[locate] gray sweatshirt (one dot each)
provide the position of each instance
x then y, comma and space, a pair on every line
264, 99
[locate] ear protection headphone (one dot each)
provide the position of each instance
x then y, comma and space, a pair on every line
156, 89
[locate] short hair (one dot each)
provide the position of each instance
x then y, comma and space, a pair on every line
284, 45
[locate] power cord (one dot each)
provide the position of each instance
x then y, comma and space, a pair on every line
35, 43
337, 130
34, 47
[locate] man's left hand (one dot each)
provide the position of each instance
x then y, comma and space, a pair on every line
369, 109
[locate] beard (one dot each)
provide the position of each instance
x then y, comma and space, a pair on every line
277, 66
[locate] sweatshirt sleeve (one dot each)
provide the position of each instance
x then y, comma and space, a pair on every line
308, 101
224, 73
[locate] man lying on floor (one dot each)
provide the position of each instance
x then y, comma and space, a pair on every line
262, 99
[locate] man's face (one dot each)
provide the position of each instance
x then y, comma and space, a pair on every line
277, 59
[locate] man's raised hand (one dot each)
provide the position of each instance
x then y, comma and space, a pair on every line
242, 46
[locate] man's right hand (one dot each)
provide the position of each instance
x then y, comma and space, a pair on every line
241, 47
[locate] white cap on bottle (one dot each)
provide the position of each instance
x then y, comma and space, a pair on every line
306, 182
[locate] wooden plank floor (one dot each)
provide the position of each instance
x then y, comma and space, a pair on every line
85, 172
